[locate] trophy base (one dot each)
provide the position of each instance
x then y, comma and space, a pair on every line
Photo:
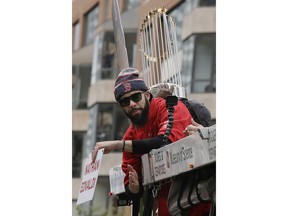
179, 91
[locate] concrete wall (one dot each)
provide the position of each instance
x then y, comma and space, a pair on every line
200, 20
80, 120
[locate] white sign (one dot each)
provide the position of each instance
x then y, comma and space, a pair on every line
116, 177
90, 176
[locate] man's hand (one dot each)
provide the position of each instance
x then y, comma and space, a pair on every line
133, 180
192, 128
108, 147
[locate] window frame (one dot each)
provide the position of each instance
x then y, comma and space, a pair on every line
213, 65
79, 91
87, 40
77, 171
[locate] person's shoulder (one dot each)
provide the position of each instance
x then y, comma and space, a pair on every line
158, 100
181, 106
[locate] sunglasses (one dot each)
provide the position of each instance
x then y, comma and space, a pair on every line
134, 97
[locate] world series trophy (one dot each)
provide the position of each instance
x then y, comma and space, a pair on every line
159, 52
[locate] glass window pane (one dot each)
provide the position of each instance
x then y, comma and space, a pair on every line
131, 40
201, 86
109, 69
204, 57
77, 147
105, 122
85, 76
76, 36
204, 69
199, 55
75, 86
109, 57
187, 62
81, 76
91, 23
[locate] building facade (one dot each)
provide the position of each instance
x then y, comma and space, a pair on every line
96, 115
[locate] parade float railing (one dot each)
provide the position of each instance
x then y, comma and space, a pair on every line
196, 151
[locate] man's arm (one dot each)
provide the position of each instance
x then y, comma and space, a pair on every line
133, 146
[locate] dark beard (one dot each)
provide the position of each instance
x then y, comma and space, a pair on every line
140, 120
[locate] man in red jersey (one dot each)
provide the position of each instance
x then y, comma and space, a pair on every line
149, 120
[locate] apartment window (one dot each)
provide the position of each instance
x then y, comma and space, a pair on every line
81, 75
187, 62
105, 122
77, 152
131, 40
76, 36
109, 69
109, 57
91, 21
199, 63
111, 122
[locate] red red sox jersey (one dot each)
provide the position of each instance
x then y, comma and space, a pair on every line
156, 124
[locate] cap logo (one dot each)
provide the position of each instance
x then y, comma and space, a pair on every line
127, 87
